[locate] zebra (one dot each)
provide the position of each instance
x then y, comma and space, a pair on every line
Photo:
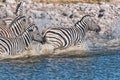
14, 46
4, 31
61, 37
7, 21
16, 27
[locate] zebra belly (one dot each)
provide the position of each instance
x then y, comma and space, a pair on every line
59, 38
18, 46
11, 46
5, 45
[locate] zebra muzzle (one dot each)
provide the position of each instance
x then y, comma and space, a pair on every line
98, 30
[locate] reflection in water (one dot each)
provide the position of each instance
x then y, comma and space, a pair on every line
102, 67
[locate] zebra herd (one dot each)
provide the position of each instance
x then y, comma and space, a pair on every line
20, 34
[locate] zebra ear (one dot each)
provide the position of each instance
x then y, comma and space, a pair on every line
24, 20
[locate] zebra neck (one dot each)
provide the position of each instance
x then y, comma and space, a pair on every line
82, 26
26, 39
16, 28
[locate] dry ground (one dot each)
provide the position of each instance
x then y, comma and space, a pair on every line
76, 1
70, 1
73, 1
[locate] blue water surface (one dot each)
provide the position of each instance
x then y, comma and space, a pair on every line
102, 67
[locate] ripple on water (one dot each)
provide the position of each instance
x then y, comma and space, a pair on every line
94, 67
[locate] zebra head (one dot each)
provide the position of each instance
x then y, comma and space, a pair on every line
92, 26
35, 34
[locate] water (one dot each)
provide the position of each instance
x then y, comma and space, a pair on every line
89, 67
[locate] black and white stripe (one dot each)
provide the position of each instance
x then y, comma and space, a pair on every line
13, 46
5, 32
65, 37
16, 27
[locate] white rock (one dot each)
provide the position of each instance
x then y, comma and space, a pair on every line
26, 1
10, 1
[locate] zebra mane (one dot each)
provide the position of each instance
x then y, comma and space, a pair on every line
29, 26
32, 24
82, 19
85, 16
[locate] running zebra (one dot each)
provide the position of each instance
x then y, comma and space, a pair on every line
4, 31
16, 27
7, 21
65, 37
13, 46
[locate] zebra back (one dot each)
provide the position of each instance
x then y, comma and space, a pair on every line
59, 37
7, 21
6, 32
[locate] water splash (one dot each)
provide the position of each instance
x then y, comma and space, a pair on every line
116, 29
115, 42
